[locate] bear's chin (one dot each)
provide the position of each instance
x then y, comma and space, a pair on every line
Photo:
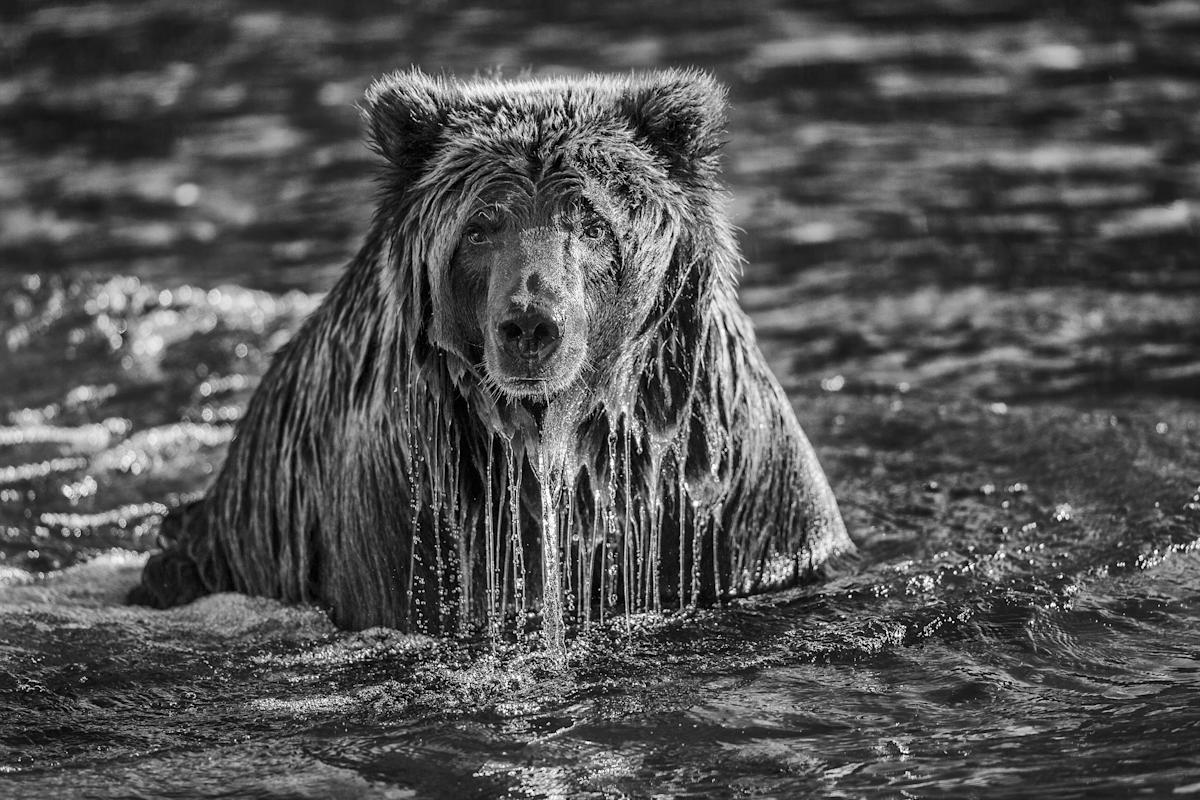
538, 390
530, 391
538, 383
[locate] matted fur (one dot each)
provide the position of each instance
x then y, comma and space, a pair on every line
377, 474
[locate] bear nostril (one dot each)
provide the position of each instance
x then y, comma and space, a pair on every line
545, 333
510, 332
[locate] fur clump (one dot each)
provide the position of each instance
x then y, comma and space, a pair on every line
385, 470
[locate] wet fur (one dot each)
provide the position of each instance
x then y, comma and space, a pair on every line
378, 471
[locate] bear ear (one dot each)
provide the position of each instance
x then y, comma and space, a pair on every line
680, 114
405, 115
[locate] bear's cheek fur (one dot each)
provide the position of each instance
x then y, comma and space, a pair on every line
466, 312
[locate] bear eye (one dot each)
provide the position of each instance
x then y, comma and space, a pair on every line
593, 230
475, 234
483, 226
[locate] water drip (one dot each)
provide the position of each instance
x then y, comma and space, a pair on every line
491, 564
628, 551
414, 495
517, 557
552, 608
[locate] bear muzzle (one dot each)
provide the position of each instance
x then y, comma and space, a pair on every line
534, 350
528, 337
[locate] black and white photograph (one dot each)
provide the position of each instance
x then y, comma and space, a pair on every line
677, 399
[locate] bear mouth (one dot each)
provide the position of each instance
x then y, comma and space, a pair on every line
532, 386
532, 389
533, 379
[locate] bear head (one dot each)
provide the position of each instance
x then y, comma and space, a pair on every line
540, 229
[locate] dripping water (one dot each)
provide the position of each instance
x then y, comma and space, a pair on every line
608, 576
652, 598
437, 505
517, 558
598, 560
628, 548
414, 495
490, 546
552, 607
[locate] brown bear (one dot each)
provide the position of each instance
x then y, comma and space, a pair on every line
533, 388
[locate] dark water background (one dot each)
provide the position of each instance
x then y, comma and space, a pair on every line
971, 232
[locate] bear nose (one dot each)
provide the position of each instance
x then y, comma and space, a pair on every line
529, 335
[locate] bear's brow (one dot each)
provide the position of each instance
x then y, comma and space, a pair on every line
570, 207
539, 193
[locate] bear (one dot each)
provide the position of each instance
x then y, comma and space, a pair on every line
532, 394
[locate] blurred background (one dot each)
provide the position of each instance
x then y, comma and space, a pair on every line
971, 231
872, 142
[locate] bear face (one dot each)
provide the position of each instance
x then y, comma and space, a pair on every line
581, 189
530, 281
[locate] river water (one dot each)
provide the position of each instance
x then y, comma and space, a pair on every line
972, 243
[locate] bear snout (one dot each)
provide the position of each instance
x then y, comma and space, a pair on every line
535, 350
528, 336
